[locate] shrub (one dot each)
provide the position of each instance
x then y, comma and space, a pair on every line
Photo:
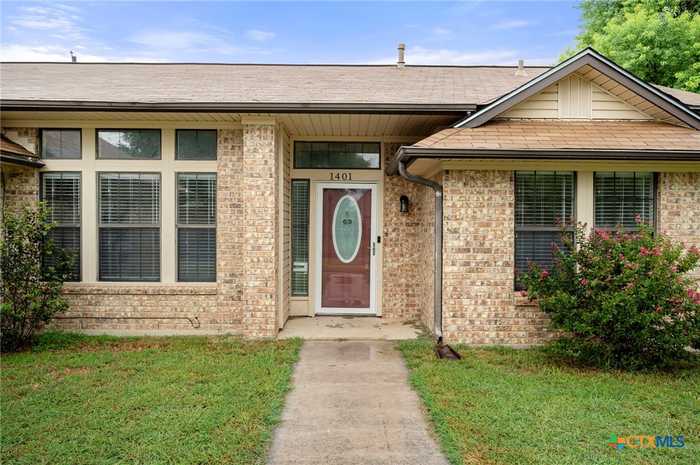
622, 299
31, 283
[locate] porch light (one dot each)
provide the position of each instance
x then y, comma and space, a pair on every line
403, 201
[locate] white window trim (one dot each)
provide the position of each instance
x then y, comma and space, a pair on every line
167, 166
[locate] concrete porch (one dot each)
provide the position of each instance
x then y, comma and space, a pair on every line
349, 328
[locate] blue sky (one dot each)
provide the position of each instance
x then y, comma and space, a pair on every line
470, 32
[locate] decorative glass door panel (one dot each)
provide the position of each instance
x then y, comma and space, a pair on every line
347, 248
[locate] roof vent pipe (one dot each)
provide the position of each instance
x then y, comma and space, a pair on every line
73, 58
521, 68
401, 62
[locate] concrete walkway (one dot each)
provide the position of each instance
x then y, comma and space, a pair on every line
351, 405
348, 327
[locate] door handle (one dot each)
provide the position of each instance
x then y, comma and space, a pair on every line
374, 248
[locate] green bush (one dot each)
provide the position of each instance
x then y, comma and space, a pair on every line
621, 299
31, 284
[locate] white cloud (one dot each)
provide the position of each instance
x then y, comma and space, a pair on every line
18, 52
259, 36
427, 56
60, 19
511, 24
21, 52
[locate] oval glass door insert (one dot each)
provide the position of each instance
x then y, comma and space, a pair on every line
347, 229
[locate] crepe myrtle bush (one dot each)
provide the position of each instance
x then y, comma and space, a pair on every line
620, 299
33, 270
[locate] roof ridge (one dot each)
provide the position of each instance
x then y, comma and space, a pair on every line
318, 65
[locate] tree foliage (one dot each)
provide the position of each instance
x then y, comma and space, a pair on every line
33, 271
657, 40
623, 300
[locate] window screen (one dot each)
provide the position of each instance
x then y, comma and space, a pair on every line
195, 144
61, 192
300, 237
337, 155
196, 226
544, 201
129, 226
60, 143
620, 197
128, 144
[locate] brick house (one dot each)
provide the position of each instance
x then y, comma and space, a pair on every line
206, 198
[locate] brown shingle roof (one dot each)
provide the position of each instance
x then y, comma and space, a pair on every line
171, 83
13, 153
555, 135
689, 98
8, 146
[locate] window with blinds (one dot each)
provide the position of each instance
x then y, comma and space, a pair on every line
195, 144
129, 226
544, 202
620, 197
61, 192
300, 237
196, 227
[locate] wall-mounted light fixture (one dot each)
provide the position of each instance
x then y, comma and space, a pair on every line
403, 201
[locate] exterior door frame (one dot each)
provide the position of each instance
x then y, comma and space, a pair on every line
318, 247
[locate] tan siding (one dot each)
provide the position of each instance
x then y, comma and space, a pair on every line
286, 260
608, 106
587, 95
542, 105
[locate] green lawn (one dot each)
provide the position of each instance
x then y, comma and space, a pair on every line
98, 400
505, 406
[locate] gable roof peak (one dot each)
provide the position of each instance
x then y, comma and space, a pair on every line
591, 57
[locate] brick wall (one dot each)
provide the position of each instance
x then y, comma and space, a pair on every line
244, 298
20, 185
404, 247
679, 208
479, 305
217, 307
190, 309
425, 267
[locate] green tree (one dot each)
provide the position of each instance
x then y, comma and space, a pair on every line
658, 40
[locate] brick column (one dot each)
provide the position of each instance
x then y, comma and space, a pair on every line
260, 229
229, 229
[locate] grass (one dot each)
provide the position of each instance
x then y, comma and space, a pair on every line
79, 400
505, 406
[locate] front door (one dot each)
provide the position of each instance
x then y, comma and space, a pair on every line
347, 223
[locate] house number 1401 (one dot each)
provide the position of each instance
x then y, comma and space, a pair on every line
337, 176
